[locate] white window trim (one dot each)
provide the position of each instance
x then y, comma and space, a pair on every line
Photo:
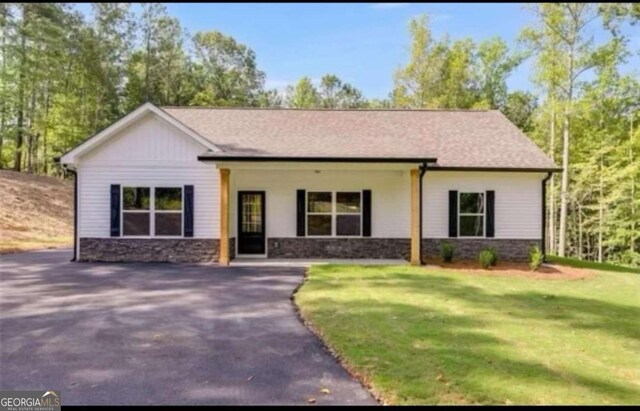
152, 210
333, 213
483, 214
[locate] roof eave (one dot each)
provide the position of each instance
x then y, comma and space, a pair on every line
262, 159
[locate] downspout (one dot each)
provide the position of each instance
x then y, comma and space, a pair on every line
543, 239
75, 211
423, 170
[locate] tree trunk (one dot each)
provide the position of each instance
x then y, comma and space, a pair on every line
45, 160
3, 95
580, 245
31, 137
17, 161
564, 185
600, 212
633, 188
552, 186
147, 62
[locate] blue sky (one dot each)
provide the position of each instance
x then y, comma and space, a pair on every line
362, 43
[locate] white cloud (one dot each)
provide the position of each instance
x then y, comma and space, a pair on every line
387, 6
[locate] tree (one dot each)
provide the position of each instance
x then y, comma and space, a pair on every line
495, 65
453, 74
303, 94
416, 84
228, 71
334, 93
520, 107
270, 98
564, 25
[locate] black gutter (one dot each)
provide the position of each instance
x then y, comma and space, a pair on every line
544, 216
423, 170
319, 159
498, 169
75, 213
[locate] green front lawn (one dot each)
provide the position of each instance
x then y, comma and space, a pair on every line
429, 336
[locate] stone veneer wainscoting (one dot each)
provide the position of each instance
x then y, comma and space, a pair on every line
174, 250
302, 247
207, 250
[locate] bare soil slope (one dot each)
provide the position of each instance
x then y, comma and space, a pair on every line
35, 212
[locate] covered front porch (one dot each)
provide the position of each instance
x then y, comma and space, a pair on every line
320, 211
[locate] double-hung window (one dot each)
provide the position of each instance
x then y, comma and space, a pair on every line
152, 211
334, 213
471, 214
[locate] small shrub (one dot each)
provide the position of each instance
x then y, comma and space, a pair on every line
535, 258
486, 258
446, 251
494, 254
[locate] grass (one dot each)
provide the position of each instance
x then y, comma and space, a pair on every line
574, 262
426, 336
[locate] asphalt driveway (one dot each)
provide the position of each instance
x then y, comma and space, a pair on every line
161, 334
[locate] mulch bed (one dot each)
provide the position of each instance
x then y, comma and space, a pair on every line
505, 268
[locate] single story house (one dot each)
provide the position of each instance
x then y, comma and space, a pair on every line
212, 184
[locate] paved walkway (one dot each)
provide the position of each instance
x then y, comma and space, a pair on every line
161, 334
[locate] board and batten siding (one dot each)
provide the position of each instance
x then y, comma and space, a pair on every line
151, 152
518, 201
390, 194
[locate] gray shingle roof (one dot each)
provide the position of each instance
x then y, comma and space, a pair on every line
457, 138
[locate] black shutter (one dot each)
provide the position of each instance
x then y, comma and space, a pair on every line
491, 196
366, 213
115, 210
300, 222
453, 213
188, 211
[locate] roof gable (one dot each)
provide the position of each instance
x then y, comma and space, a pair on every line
98, 139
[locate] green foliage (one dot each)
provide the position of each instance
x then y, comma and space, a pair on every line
332, 93
536, 258
487, 258
442, 73
303, 94
446, 251
521, 108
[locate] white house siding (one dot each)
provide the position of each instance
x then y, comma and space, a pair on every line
390, 215
517, 197
150, 152
518, 201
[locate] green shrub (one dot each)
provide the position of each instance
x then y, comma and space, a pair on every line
494, 255
446, 251
486, 258
536, 258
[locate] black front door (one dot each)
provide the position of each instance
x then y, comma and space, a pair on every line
251, 224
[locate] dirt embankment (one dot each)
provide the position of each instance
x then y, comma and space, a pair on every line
35, 212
